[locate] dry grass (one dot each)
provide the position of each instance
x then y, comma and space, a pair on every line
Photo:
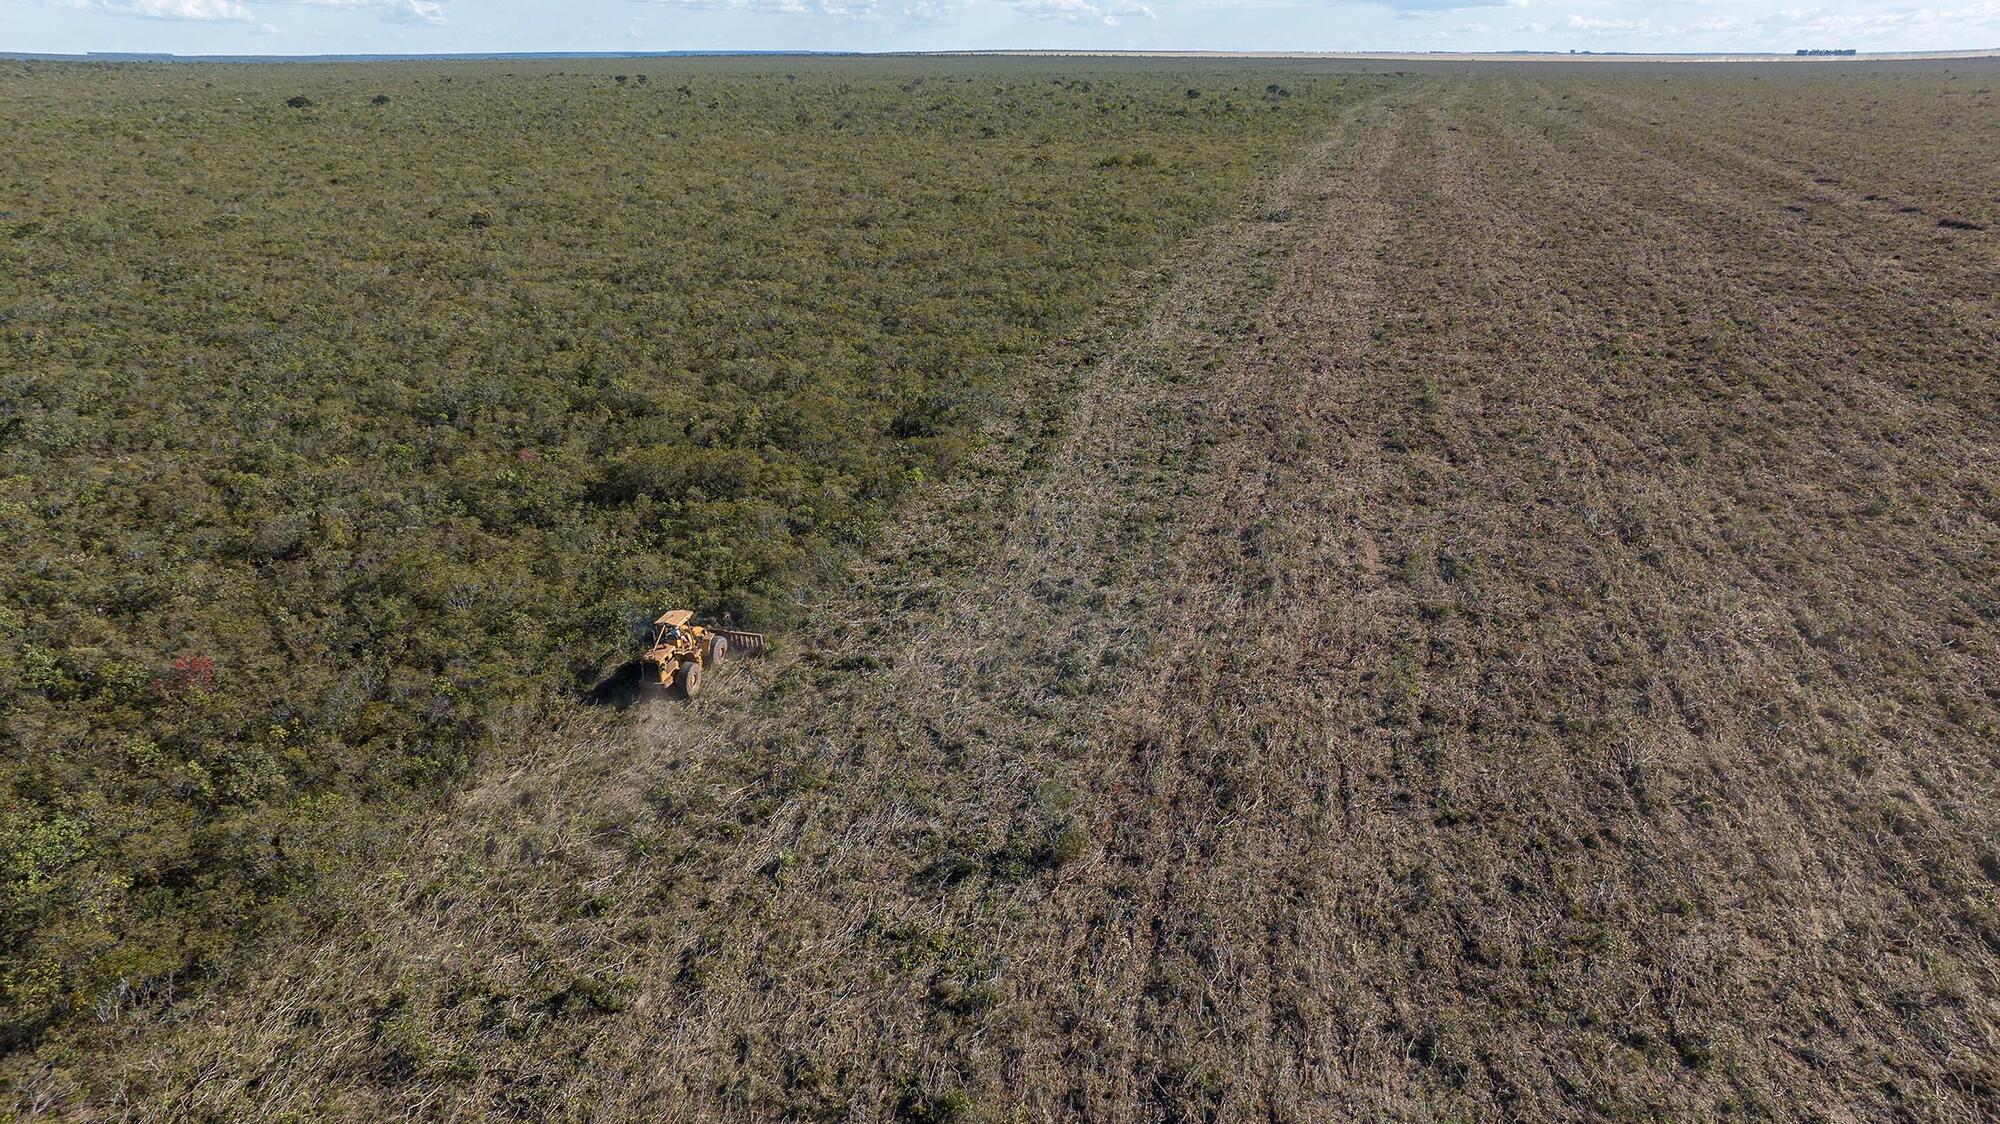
1502, 627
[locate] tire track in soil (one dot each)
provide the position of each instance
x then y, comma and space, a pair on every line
1148, 418
1643, 211
1155, 799
1246, 564
1907, 567
1905, 228
1801, 328
1943, 282
1267, 555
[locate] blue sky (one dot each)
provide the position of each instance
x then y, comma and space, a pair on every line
385, 26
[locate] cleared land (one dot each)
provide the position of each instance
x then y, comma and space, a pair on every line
1502, 625
1503, 57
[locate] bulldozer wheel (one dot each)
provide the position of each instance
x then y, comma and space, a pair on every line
718, 649
650, 687
690, 679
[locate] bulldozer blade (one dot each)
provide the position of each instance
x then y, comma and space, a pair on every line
742, 643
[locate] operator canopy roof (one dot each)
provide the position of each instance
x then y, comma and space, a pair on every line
676, 617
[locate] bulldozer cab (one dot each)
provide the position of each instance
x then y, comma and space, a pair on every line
671, 627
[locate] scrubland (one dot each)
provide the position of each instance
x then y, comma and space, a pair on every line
1497, 623
353, 413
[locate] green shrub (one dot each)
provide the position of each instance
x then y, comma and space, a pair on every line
329, 460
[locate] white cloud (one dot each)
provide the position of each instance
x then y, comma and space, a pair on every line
1104, 13
398, 11
1589, 23
1879, 21
910, 13
846, 8
1613, 25
1856, 25
417, 11
1430, 7
199, 10
930, 13
210, 11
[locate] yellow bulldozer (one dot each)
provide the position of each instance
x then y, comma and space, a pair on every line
682, 650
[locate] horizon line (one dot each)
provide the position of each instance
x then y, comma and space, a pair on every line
1520, 54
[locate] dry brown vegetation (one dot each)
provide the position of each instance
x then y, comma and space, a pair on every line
1503, 626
